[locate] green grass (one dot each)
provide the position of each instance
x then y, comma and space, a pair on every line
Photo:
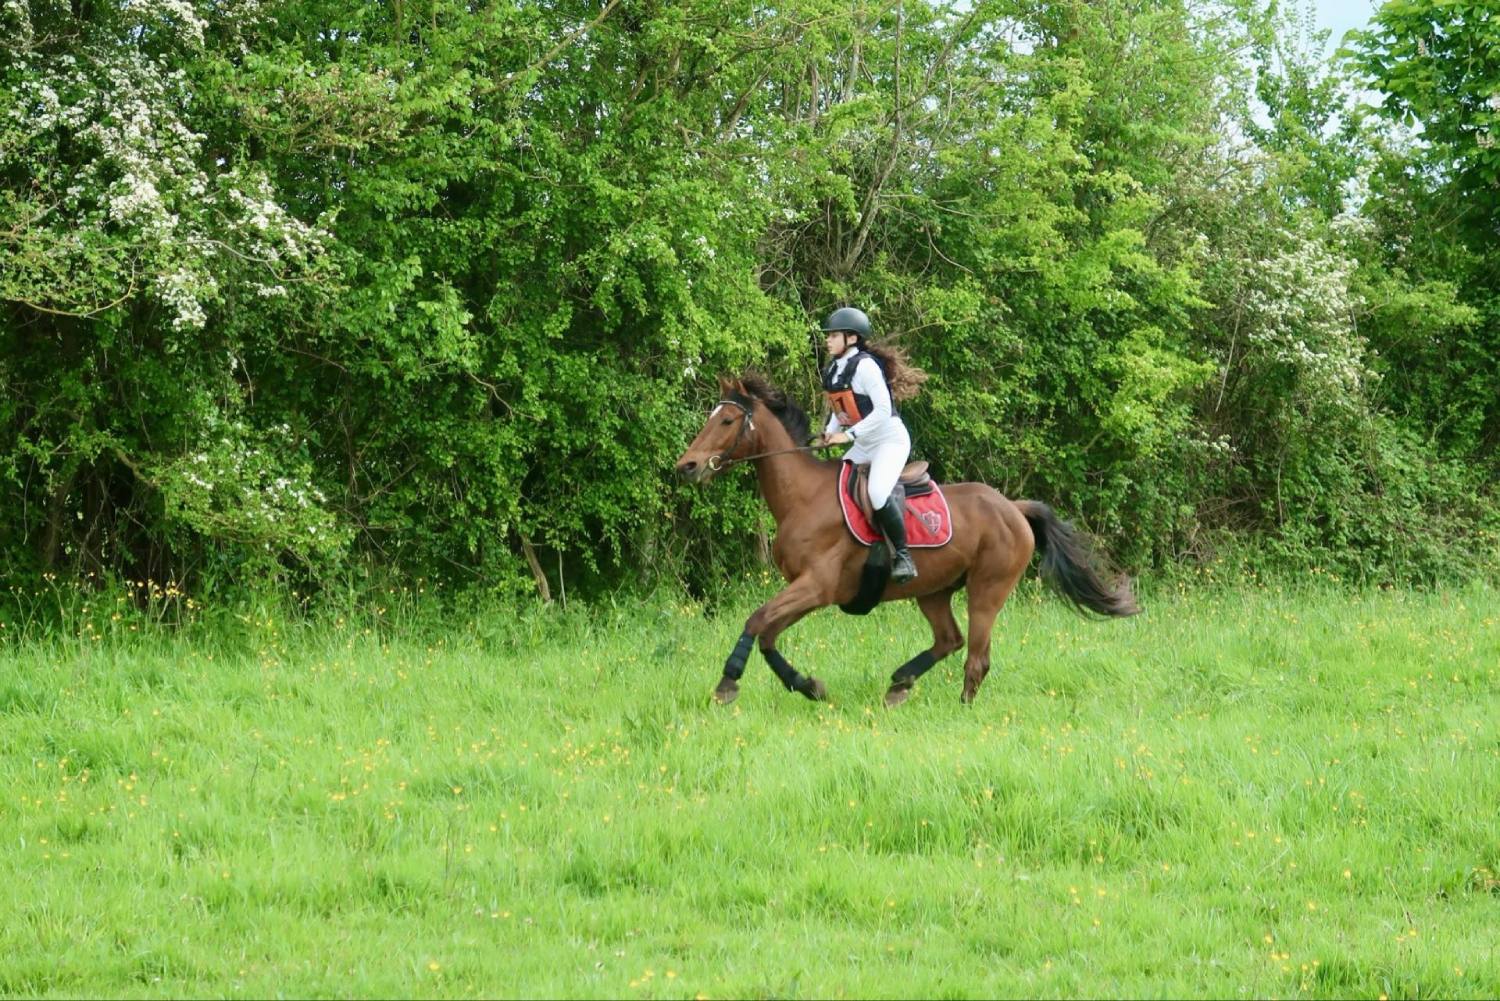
1239, 793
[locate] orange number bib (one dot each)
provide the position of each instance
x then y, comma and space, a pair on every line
844, 407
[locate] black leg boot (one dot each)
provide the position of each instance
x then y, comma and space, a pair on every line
893, 524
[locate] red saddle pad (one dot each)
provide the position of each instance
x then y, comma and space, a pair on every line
928, 523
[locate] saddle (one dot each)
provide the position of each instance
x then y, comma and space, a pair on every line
913, 482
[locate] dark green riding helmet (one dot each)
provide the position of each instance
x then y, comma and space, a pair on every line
848, 319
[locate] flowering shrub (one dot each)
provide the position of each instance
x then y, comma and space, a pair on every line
252, 492
120, 204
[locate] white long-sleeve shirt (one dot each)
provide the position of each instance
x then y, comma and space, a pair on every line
881, 423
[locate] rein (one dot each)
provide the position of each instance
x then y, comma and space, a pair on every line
723, 460
719, 462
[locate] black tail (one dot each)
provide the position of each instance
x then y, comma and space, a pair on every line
1070, 565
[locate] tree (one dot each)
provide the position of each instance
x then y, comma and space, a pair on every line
123, 237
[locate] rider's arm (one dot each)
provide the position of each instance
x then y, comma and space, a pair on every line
869, 381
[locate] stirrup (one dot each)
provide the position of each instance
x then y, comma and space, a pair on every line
903, 569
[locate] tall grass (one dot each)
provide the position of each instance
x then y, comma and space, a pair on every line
1241, 792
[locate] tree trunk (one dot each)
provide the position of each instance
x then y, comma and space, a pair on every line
542, 587
57, 510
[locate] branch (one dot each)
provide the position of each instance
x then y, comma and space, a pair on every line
564, 43
85, 314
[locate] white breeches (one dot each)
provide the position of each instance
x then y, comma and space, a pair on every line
886, 457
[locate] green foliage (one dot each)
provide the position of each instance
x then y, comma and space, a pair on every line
329, 292
1438, 65
1432, 258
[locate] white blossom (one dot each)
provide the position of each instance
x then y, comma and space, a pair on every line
192, 235
1300, 311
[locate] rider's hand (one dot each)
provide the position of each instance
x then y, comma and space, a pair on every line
837, 438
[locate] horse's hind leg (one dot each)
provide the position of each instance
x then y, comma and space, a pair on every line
986, 598
946, 637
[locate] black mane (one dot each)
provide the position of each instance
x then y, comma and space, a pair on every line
791, 416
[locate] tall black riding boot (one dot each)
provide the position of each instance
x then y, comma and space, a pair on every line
893, 524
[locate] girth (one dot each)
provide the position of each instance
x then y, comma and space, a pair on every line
913, 482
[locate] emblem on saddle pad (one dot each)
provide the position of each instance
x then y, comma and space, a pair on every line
928, 523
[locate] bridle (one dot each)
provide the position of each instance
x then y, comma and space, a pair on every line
723, 459
718, 462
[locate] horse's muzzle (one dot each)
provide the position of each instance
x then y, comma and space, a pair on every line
694, 471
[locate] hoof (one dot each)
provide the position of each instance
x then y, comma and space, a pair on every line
898, 693
815, 690
727, 692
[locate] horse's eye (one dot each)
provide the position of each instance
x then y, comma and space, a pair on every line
727, 421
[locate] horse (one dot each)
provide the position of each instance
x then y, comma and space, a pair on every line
992, 544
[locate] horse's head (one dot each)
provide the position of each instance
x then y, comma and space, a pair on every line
731, 432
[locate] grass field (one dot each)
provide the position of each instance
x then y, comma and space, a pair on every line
1238, 793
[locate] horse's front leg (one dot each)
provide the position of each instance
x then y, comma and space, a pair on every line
768, 622
794, 682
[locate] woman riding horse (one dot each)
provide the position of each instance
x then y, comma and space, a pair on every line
993, 540
864, 415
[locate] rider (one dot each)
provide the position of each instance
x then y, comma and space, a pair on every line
864, 414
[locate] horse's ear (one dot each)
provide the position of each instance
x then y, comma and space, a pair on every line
728, 386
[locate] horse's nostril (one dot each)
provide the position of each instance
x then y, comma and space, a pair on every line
686, 468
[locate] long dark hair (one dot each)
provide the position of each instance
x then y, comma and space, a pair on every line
904, 378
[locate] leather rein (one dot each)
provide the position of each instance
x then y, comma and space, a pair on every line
723, 460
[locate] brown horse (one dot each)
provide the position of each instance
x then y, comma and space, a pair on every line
993, 539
